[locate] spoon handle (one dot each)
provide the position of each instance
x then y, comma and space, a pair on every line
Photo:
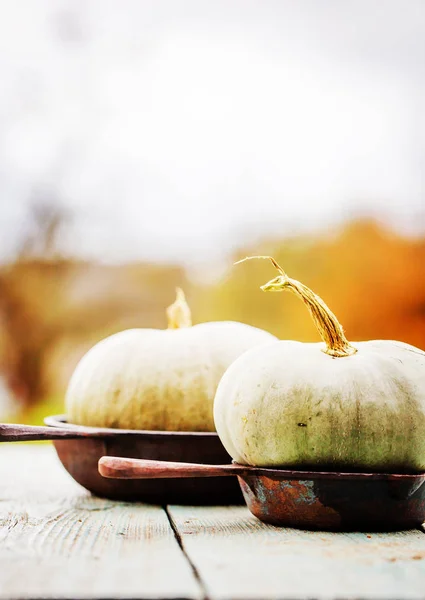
24, 433
114, 467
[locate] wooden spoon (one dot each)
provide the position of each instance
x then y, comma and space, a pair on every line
23, 433
114, 467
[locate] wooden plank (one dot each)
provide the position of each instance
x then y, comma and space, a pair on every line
237, 556
57, 541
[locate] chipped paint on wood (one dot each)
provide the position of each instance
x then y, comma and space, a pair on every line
58, 541
240, 557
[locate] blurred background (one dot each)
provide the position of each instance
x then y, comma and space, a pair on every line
146, 144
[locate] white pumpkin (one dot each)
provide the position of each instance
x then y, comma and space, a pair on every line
158, 379
330, 405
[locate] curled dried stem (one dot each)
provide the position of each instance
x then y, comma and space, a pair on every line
327, 324
178, 313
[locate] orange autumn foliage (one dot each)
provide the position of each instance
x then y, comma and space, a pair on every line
371, 278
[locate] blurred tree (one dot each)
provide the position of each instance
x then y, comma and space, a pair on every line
28, 286
46, 220
47, 300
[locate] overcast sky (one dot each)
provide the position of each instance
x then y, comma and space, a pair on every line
175, 129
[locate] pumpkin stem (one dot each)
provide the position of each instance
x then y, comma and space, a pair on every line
326, 322
178, 313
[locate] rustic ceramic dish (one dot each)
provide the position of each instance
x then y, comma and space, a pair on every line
80, 458
106, 462
306, 499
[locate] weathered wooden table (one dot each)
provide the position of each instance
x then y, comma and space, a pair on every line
57, 541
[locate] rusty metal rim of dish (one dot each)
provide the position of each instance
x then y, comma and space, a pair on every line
60, 421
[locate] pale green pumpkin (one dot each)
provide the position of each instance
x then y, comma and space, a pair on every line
331, 405
158, 379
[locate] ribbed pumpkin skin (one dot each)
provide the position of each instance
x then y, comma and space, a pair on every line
291, 405
157, 379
